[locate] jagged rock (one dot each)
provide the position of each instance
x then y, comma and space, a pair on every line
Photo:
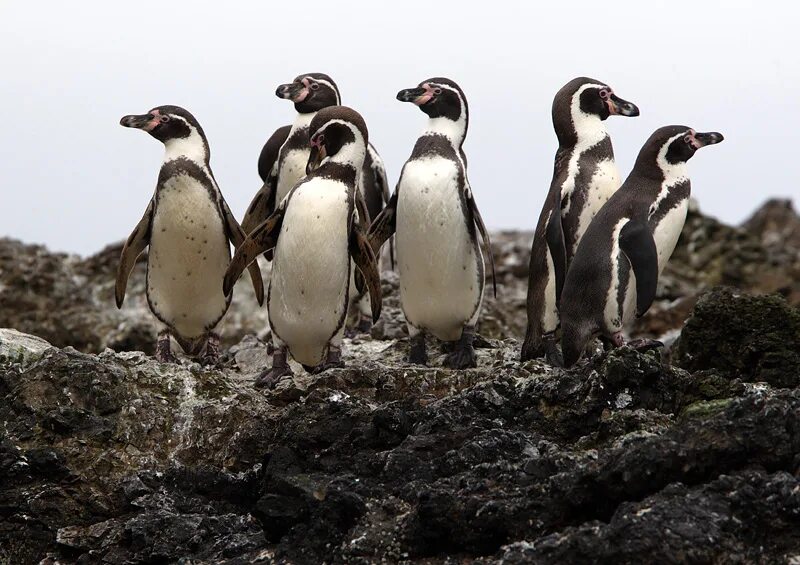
753, 337
110, 457
117, 458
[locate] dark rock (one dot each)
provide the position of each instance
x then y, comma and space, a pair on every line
756, 338
115, 458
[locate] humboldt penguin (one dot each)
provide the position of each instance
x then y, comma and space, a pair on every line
436, 222
315, 233
614, 273
310, 93
188, 227
584, 177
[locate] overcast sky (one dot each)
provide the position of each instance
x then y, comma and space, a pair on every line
74, 179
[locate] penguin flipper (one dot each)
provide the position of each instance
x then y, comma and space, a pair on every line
264, 237
268, 158
382, 180
364, 258
236, 236
554, 234
637, 243
487, 243
383, 227
261, 206
134, 245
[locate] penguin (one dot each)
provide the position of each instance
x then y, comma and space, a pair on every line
315, 233
310, 93
584, 177
188, 227
614, 273
434, 216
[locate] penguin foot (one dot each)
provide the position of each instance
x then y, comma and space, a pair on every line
333, 361
462, 358
210, 357
164, 349
530, 349
363, 326
644, 344
280, 368
269, 378
551, 351
463, 355
417, 353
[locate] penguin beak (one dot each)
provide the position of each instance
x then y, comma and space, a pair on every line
295, 91
701, 139
418, 96
142, 121
619, 107
318, 153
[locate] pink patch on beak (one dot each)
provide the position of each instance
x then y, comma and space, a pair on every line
425, 98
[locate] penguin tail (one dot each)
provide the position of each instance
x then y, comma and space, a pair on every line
574, 339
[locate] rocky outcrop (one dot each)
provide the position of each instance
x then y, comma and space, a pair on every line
107, 456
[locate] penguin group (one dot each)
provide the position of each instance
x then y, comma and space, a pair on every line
324, 212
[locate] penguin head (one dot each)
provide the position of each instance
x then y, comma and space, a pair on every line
437, 97
674, 145
339, 134
165, 123
310, 92
581, 103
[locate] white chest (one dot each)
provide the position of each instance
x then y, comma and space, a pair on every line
667, 232
292, 170
441, 280
310, 273
189, 253
604, 182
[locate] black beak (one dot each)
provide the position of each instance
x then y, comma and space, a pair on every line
410, 94
620, 107
708, 138
318, 153
288, 91
134, 121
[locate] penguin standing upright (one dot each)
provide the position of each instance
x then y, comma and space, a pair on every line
614, 273
584, 177
310, 93
188, 227
315, 233
435, 217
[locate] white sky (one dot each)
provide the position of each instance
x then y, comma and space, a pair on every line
72, 178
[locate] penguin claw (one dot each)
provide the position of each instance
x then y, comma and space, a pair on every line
462, 358
166, 357
269, 378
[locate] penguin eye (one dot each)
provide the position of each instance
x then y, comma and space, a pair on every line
314, 86
604, 94
163, 119
687, 139
437, 90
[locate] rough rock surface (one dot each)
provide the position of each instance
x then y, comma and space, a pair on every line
111, 457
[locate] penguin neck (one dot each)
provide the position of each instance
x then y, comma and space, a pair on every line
454, 130
302, 121
350, 155
193, 147
588, 131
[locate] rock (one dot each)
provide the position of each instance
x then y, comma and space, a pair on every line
21, 348
756, 338
111, 457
